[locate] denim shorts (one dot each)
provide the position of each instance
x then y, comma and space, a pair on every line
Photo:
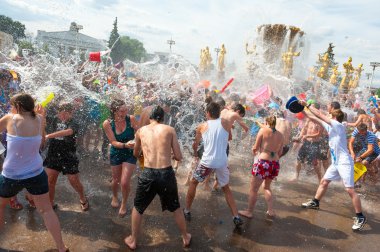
120, 159
36, 185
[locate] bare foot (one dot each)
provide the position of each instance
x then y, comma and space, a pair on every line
115, 203
122, 212
130, 242
294, 180
246, 213
186, 240
271, 214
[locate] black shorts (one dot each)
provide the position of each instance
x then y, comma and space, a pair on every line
36, 185
157, 181
67, 164
308, 152
324, 149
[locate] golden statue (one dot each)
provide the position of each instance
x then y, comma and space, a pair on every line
287, 59
311, 74
221, 65
202, 64
354, 83
344, 84
334, 75
208, 59
325, 63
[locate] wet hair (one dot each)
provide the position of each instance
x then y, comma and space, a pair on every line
221, 102
240, 109
66, 107
271, 121
115, 105
338, 114
208, 100
362, 127
335, 105
23, 103
361, 112
157, 114
213, 109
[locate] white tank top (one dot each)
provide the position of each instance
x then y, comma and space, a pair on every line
215, 141
23, 159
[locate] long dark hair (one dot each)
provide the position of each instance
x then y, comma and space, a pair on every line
23, 103
115, 105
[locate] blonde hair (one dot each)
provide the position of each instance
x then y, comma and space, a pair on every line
271, 121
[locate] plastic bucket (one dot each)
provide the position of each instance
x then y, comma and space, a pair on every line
94, 56
293, 106
359, 170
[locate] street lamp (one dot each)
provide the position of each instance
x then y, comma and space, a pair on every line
217, 50
368, 75
171, 42
374, 65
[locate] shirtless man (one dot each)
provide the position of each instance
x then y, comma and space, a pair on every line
215, 134
285, 128
362, 118
157, 141
236, 113
309, 151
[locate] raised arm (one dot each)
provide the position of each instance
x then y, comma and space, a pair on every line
320, 116
60, 133
355, 124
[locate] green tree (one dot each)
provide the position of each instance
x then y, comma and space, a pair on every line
14, 28
125, 47
113, 37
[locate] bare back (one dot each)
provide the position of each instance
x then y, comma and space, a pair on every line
157, 143
269, 144
285, 128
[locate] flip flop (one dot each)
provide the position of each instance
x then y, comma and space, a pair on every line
15, 205
30, 201
85, 205
188, 245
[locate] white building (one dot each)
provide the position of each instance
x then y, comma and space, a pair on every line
64, 43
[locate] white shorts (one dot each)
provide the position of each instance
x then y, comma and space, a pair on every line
222, 174
343, 172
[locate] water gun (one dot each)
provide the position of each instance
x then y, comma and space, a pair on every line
48, 99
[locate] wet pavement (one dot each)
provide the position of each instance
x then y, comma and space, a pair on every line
294, 228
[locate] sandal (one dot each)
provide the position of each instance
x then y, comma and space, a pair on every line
15, 205
85, 205
30, 201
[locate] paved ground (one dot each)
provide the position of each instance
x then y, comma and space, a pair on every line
294, 229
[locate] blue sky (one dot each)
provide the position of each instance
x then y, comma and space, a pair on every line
353, 26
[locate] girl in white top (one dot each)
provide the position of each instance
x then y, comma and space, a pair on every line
23, 164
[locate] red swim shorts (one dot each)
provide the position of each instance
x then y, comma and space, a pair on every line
266, 169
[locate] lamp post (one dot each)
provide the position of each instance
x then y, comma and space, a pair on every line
217, 50
171, 42
373, 65
368, 75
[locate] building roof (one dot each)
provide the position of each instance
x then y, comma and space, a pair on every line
70, 36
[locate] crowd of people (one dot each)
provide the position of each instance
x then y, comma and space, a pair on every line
42, 143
